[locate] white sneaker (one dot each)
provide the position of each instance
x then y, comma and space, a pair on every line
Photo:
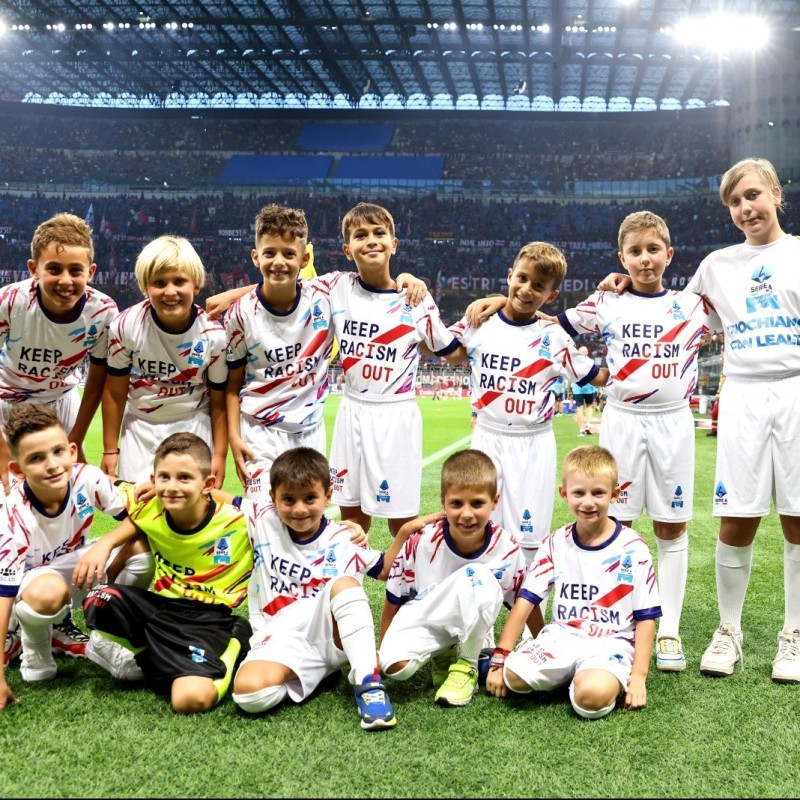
786, 666
68, 639
37, 662
669, 654
113, 658
724, 651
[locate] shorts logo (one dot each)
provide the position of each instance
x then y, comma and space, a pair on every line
222, 551
720, 495
197, 654
85, 508
318, 321
383, 495
526, 526
677, 498
329, 570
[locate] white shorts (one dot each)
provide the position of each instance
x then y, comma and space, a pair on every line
654, 450
65, 566
376, 456
66, 408
554, 657
302, 640
464, 604
140, 438
758, 442
526, 471
267, 444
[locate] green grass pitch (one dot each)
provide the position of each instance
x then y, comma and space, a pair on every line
84, 735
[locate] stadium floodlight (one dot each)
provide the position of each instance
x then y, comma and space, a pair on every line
722, 32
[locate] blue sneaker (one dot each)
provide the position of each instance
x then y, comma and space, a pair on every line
374, 706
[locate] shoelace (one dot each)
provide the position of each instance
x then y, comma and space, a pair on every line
789, 646
724, 640
669, 646
373, 696
70, 629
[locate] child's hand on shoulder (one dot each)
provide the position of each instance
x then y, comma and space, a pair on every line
144, 492
616, 282
546, 317
358, 536
416, 289
478, 311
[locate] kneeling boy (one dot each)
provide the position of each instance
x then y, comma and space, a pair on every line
44, 525
309, 611
183, 632
446, 586
605, 608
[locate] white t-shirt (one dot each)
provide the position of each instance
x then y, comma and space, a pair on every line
651, 339
31, 538
515, 367
39, 356
756, 292
285, 571
597, 591
379, 335
429, 556
170, 373
285, 357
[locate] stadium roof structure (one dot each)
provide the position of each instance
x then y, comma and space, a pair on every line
568, 55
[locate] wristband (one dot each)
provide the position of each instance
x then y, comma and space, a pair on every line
111, 452
499, 656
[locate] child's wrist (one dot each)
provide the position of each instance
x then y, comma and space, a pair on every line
114, 452
499, 656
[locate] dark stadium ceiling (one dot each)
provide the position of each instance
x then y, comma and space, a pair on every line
541, 54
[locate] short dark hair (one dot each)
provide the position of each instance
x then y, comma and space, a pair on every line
188, 444
300, 467
27, 418
471, 469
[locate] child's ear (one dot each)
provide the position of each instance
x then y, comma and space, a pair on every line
92, 270
208, 484
552, 296
328, 495
306, 256
346, 251
562, 491
615, 494
15, 469
495, 501
32, 268
670, 253
510, 273
254, 257
73, 451
622, 260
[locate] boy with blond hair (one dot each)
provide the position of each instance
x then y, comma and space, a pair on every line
449, 581
653, 336
604, 608
44, 524
166, 365
515, 360
49, 324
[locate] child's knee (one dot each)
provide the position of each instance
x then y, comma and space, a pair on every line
401, 670
196, 697
514, 682
47, 594
593, 699
344, 583
259, 701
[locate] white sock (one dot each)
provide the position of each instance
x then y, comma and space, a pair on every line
791, 585
733, 575
138, 571
353, 616
673, 566
36, 628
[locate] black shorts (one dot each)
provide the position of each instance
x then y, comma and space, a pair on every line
180, 637
583, 399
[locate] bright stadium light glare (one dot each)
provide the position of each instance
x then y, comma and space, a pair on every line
722, 32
